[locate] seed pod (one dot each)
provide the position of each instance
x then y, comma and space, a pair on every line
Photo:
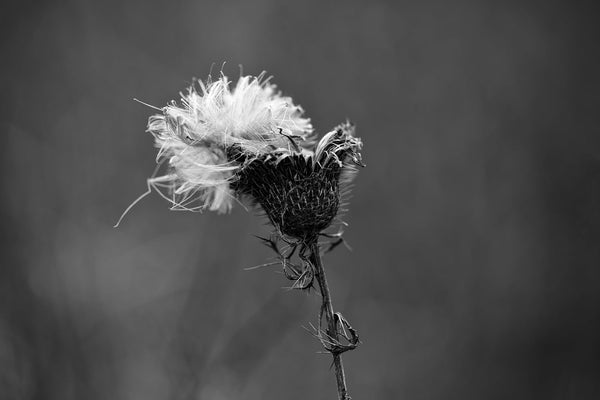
299, 192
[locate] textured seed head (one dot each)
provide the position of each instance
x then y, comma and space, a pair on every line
299, 192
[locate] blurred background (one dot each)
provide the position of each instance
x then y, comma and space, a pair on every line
475, 227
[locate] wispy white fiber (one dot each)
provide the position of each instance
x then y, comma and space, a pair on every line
192, 137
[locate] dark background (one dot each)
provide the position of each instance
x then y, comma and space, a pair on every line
475, 226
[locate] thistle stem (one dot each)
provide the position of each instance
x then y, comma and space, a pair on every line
327, 308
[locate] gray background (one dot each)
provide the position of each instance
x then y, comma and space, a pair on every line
475, 226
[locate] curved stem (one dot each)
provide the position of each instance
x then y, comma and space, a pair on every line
327, 308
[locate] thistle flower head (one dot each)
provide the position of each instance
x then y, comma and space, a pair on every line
250, 141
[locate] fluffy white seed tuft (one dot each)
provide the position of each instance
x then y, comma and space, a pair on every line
192, 137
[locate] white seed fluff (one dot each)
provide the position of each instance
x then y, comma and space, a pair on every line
193, 136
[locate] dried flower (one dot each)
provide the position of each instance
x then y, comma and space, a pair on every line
253, 142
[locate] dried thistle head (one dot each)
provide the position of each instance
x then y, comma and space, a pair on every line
252, 142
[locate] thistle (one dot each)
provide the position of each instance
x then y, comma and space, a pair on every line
253, 143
